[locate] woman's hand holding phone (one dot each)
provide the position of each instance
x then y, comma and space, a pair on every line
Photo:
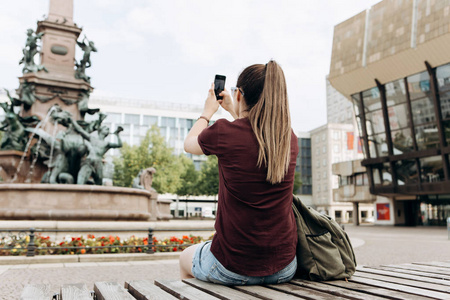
227, 102
211, 103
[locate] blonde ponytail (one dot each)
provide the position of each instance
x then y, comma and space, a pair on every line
270, 120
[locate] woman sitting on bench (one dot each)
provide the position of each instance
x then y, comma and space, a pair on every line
256, 233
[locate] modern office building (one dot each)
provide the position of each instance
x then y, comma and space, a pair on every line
393, 62
331, 143
304, 167
339, 109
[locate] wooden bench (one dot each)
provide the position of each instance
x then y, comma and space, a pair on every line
405, 281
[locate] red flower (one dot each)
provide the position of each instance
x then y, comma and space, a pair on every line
174, 249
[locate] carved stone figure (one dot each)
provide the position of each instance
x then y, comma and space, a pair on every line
144, 179
30, 50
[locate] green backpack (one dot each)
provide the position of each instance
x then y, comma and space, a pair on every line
324, 251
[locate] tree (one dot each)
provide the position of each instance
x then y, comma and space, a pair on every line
297, 182
189, 178
209, 182
152, 152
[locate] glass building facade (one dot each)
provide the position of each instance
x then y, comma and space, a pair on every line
405, 129
304, 166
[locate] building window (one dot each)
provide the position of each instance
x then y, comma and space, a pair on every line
114, 118
132, 119
167, 122
324, 174
336, 135
336, 148
324, 162
324, 149
150, 120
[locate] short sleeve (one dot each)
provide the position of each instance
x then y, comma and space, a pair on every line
209, 138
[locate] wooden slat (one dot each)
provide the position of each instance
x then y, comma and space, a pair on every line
36, 292
400, 288
111, 291
408, 282
219, 291
265, 293
144, 290
76, 291
440, 264
417, 273
302, 292
422, 268
373, 290
334, 290
183, 290
403, 276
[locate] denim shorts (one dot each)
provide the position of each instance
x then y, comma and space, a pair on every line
206, 267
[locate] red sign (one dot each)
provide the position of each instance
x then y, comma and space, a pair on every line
383, 212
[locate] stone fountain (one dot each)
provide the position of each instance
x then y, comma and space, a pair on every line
51, 159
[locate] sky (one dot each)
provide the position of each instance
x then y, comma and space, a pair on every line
171, 50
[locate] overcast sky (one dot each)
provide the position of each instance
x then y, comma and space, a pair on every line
170, 50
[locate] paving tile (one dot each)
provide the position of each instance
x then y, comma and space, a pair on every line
40, 266
86, 264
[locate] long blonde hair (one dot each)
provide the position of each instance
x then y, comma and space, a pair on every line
265, 94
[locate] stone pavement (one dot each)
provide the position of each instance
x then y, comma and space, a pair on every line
374, 245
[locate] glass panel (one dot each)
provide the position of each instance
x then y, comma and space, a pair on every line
419, 85
423, 111
359, 179
169, 122
395, 92
443, 82
386, 174
402, 141
132, 119
371, 99
431, 168
114, 118
376, 176
173, 133
375, 122
378, 146
143, 130
358, 123
355, 99
406, 171
398, 116
427, 136
150, 120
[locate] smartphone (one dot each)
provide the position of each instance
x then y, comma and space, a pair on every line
219, 85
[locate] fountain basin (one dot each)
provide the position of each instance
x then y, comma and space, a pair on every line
23, 201
9, 163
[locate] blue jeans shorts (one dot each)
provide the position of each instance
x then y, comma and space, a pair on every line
206, 267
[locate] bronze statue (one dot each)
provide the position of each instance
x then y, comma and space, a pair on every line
30, 50
15, 136
85, 62
97, 147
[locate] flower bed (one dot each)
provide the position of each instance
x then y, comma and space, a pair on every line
94, 245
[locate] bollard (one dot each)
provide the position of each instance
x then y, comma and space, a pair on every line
31, 245
150, 242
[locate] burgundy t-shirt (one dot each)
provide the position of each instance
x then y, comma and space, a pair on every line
256, 233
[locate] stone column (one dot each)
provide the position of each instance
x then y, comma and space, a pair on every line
356, 213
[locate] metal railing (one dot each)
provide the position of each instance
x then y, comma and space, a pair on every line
31, 247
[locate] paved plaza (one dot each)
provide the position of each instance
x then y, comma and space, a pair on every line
374, 245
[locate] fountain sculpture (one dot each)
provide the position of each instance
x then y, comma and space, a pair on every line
51, 159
